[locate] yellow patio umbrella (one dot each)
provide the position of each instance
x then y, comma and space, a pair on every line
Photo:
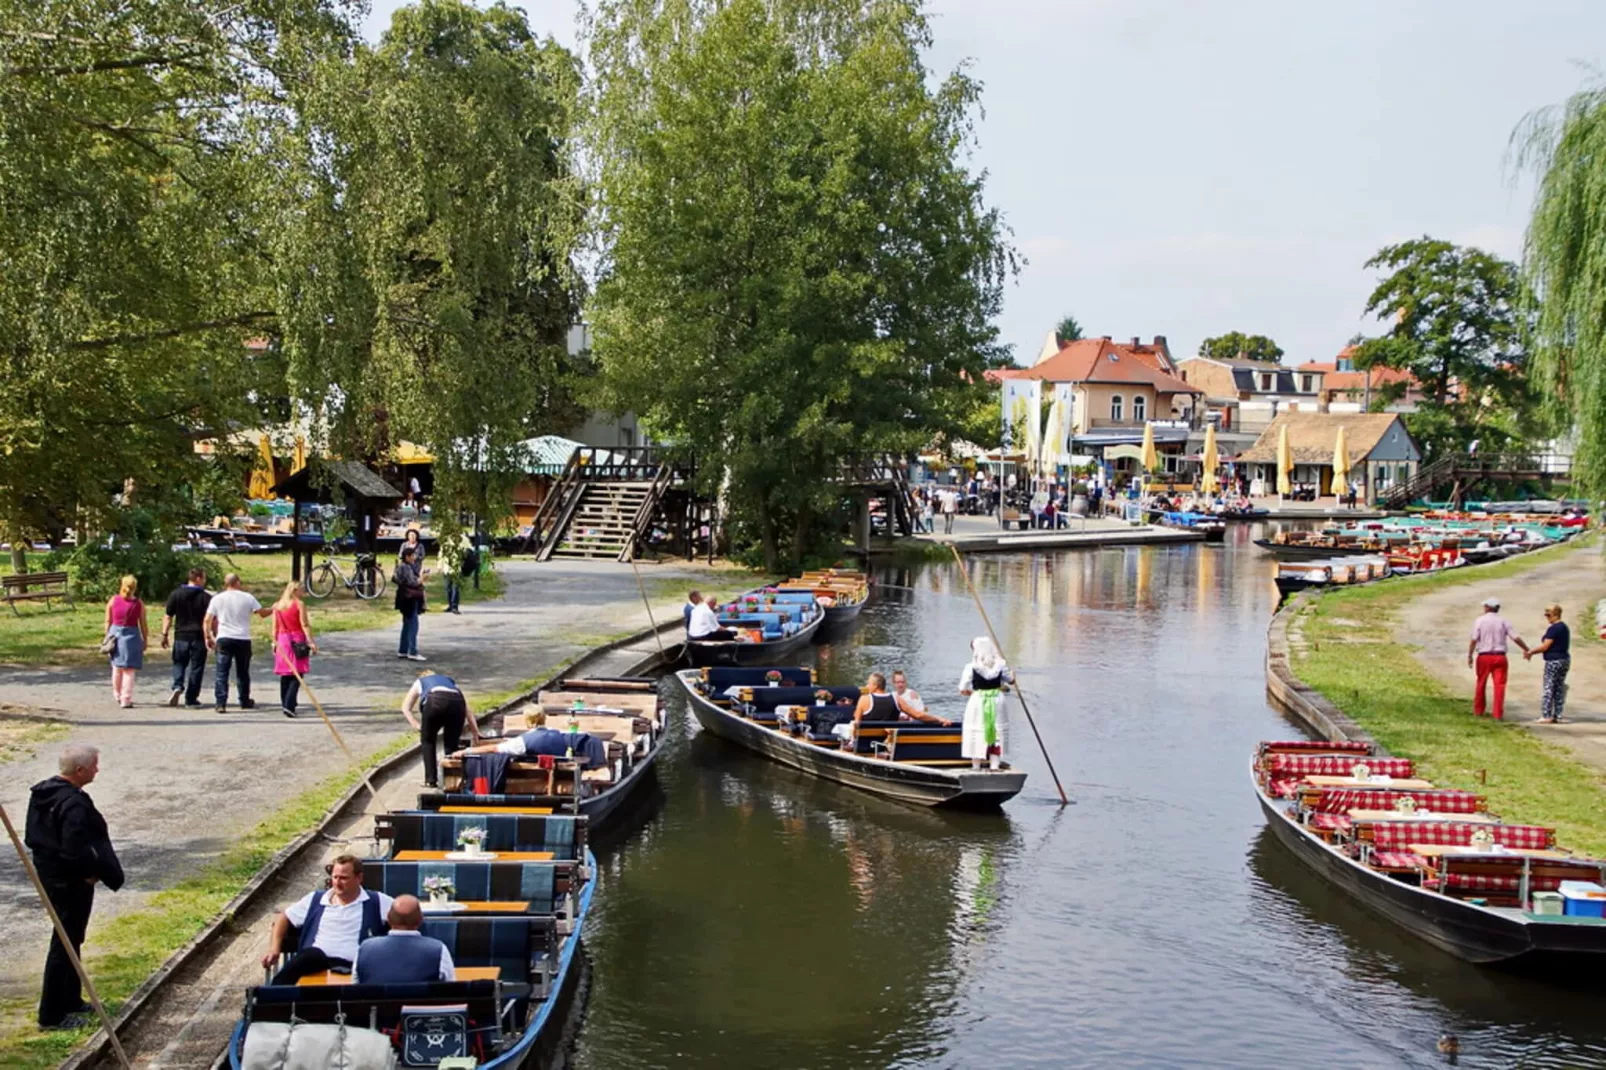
299, 461
1151, 457
1285, 463
1208, 460
1340, 463
261, 485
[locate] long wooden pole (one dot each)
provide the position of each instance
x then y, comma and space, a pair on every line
352, 758
61, 934
1019, 691
642, 587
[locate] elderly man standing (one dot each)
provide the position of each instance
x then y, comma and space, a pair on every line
72, 851
404, 955
333, 924
1486, 654
228, 631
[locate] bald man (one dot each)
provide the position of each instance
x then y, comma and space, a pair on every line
404, 955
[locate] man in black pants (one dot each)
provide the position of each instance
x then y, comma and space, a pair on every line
185, 622
442, 711
330, 925
72, 851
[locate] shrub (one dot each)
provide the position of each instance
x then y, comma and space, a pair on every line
97, 570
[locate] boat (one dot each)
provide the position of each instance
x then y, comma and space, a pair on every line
771, 623
625, 712
1233, 512
1432, 860
780, 713
1213, 527
841, 593
516, 961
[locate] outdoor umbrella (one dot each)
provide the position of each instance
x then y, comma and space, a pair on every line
1151, 459
1285, 463
261, 485
1208, 460
1340, 464
1053, 439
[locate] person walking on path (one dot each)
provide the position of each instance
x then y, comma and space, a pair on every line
293, 646
1556, 649
72, 851
228, 632
127, 629
950, 506
185, 622
409, 579
442, 710
1486, 654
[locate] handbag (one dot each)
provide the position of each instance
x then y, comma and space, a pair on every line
108, 645
300, 649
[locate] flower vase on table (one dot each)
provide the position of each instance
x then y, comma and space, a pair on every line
471, 841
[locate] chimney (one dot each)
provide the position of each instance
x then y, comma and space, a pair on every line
1136, 341
1159, 341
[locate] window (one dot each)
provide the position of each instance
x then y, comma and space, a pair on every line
1307, 384
1115, 408
1265, 382
1140, 408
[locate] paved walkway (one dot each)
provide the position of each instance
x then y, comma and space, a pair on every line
1440, 623
178, 786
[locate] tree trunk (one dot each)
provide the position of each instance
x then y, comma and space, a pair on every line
19, 556
800, 535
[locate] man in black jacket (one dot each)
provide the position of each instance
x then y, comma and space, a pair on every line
72, 851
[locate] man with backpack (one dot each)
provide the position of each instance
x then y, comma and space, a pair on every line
461, 560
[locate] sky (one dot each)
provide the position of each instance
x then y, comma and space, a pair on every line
1187, 168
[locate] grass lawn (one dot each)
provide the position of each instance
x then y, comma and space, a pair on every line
21, 738
37, 635
1363, 670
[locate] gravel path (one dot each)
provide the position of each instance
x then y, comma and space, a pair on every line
1439, 623
178, 785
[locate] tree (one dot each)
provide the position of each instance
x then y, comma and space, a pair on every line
1456, 327
1068, 330
1237, 344
796, 267
1564, 263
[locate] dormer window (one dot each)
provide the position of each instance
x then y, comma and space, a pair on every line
1265, 382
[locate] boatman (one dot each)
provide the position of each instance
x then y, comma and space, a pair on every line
703, 624
333, 924
1486, 655
404, 955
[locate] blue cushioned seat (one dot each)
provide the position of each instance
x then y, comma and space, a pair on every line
719, 677
418, 831
541, 885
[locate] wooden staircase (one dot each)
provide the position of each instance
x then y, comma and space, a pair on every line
604, 521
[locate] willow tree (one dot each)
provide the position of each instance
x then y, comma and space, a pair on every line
796, 265
1564, 259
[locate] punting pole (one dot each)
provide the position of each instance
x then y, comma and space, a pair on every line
642, 587
352, 758
61, 934
965, 572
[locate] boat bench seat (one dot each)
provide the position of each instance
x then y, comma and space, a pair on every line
719, 677
764, 699
434, 800
1327, 809
1499, 880
924, 743
1314, 746
561, 834
543, 886
770, 629
380, 1006
1284, 773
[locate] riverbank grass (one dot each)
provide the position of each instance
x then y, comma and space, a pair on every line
1350, 654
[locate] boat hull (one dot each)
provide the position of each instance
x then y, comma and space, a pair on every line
729, 652
1467, 931
919, 785
1287, 552
839, 619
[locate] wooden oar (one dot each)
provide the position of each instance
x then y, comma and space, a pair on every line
61, 934
334, 732
965, 572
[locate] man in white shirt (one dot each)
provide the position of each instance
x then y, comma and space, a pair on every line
333, 923
404, 955
703, 623
910, 704
950, 506
228, 632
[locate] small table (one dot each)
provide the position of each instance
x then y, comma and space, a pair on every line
501, 856
1434, 850
1422, 815
479, 906
463, 973
1394, 784
533, 810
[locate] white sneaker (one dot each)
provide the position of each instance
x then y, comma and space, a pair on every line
416, 657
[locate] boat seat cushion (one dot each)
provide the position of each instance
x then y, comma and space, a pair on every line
1387, 835
1437, 800
560, 834
1330, 822
516, 945
765, 698
1397, 860
543, 885
1302, 765
1295, 746
719, 677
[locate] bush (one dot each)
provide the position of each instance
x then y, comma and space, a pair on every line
96, 571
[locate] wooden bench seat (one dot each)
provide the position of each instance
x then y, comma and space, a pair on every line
35, 587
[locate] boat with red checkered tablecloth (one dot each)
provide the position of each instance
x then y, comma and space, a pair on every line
1430, 859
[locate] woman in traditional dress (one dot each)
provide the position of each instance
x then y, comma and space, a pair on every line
291, 630
985, 681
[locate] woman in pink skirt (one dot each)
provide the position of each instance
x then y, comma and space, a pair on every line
292, 646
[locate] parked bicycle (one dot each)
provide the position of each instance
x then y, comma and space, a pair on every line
366, 582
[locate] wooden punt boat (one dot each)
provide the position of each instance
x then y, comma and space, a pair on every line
625, 712
1451, 890
841, 593
525, 968
904, 760
774, 623
1214, 528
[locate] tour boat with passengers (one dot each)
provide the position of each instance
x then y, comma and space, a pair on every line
1433, 860
769, 623
783, 714
508, 893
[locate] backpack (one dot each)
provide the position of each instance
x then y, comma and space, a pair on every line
471, 562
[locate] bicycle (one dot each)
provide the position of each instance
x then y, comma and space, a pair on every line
366, 582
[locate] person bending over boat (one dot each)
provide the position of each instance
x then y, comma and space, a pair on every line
702, 623
910, 704
404, 955
332, 924
442, 711
984, 682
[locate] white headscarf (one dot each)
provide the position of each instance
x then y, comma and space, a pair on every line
985, 657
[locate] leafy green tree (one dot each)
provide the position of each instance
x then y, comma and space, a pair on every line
1565, 267
1456, 327
1237, 344
796, 266
1068, 330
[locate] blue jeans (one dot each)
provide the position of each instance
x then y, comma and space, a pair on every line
235, 652
189, 666
454, 591
409, 631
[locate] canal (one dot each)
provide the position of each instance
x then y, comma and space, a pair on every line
758, 918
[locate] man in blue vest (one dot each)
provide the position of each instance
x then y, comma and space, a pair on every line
442, 711
332, 924
405, 955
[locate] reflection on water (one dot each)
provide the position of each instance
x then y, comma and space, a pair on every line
761, 918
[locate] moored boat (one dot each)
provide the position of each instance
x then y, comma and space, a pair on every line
787, 717
1432, 860
770, 623
1212, 527
841, 594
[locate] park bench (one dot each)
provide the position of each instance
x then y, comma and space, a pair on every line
34, 587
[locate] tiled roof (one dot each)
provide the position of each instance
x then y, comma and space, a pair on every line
1099, 360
